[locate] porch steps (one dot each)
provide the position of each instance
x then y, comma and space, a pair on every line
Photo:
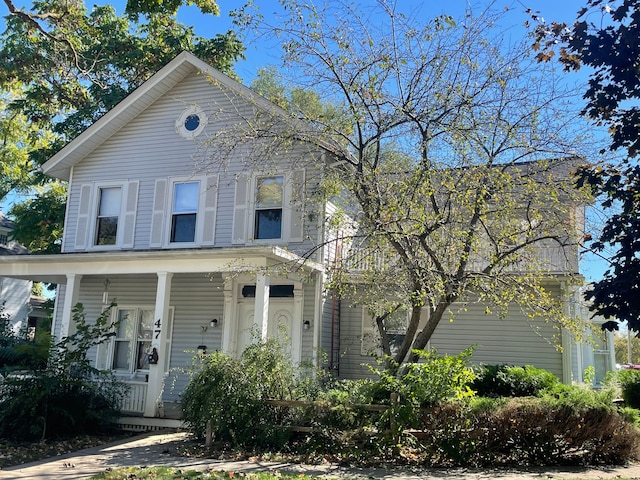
145, 424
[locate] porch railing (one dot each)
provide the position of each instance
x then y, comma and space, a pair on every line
134, 401
550, 259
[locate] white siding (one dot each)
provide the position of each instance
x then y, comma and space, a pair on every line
149, 148
14, 300
513, 340
330, 324
196, 300
352, 362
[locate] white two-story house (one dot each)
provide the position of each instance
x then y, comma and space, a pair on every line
199, 255
15, 293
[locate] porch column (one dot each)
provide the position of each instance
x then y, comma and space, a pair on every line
155, 385
567, 364
71, 294
261, 309
229, 320
296, 326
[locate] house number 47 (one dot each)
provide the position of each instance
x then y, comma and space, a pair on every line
157, 330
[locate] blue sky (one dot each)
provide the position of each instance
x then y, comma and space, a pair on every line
263, 51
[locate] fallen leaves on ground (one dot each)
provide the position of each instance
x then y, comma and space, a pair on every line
16, 453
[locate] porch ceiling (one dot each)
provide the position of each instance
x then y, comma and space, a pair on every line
55, 268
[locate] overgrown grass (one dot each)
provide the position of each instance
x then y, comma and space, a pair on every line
164, 473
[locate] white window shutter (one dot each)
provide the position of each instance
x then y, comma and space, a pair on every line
103, 355
241, 210
296, 206
131, 207
210, 209
159, 213
167, 345
84, 220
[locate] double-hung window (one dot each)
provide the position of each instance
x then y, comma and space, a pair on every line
268, 207
109, 206
132, 342
128, 351
184, 211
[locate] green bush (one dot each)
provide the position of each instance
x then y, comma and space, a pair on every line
628, 381
512, 381
67, 396
339, 406
231, 394
418, 385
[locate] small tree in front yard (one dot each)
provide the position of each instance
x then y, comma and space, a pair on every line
452, 150
68, 395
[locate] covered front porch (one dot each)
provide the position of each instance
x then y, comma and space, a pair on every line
172, 305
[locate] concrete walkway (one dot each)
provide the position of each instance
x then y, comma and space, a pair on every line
161, 450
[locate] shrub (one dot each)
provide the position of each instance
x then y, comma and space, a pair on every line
340, 406
68, 395
512, 381
231, 394
628, 381
423, 384
527, 431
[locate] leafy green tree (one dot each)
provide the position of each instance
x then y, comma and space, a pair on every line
604, 38
61, 68
454, 151
39, 220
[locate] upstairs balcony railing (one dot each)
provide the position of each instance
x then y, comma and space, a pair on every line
551, 260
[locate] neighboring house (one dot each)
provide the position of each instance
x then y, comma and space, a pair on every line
14, 293
210, 259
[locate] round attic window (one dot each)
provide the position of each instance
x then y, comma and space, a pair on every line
191, 122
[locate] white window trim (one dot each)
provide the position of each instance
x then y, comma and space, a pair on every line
192, 110
95, 205
197, 239
110, 344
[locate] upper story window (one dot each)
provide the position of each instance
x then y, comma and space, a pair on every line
191, 122
184, 211
269, 208
268, 211
109, 205
106, 215
4, 239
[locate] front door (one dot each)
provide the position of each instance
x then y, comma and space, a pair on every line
280, 323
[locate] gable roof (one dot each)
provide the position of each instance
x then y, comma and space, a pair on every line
5, 223
59, 166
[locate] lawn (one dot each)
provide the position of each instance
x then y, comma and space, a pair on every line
164, 473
